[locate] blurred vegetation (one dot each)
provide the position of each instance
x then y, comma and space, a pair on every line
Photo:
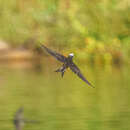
98, 31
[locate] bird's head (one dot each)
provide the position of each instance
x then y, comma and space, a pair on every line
71, 55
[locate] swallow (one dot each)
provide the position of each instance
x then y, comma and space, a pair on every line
19, 120
67, 63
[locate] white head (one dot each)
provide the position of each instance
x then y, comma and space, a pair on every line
71, 54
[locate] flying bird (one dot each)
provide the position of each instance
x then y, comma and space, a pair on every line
19, 120
67, 63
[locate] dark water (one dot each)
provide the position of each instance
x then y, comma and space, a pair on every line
68, 103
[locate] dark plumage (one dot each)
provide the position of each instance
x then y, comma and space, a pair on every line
67, 63
19, 120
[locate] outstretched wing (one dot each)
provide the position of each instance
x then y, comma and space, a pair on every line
55, 54
77, 71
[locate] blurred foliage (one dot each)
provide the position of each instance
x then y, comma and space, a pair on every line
98, 31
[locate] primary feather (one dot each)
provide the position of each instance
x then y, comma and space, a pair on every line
55, 54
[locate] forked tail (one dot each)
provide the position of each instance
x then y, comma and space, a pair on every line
62, 70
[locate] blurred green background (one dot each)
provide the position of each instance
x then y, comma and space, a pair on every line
97, 31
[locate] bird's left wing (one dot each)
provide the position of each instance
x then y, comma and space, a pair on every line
55, 54
77, 71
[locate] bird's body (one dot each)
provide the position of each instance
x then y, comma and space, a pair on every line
67, 63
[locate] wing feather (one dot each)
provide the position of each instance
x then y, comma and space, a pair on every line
77, 71
55, 54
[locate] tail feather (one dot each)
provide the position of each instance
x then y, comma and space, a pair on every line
62, 73
58, 70
62, 70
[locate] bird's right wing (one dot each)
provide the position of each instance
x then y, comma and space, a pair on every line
77, 71
55, 54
